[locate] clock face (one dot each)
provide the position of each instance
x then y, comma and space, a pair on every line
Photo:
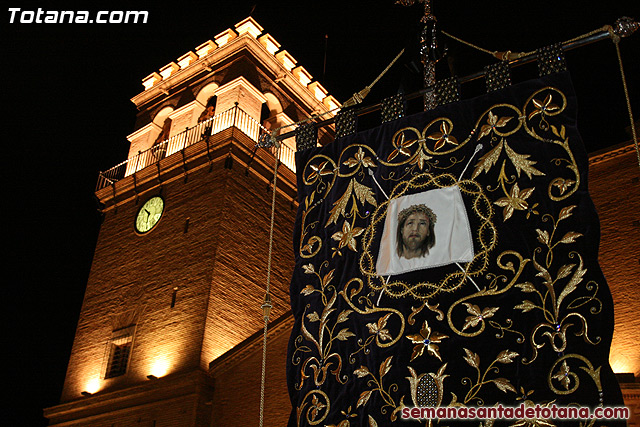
149, 214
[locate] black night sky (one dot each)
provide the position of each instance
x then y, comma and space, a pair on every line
67, 88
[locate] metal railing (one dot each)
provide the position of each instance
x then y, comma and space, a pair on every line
233, 117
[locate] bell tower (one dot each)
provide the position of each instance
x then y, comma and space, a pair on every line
170, 329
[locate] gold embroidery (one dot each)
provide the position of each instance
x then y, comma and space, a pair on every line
426, 339
556, 288
318, 407
568, 380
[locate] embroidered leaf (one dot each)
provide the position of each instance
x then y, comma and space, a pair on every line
344, 334
361, 372
543, 236
473, 309
570, 237
308, 290
565, 270
364, 193
542, 273
521, 162
372, 422
488, 160
308, 200
385, 366
503, 121
327, 309
344, 316
565, 212
382, 322
340, 205
561, 133
504, 385
526, 287
327, 278
308, 335
573, 283
525, 306
506, 356
364, 398
351, 162
472, 358
441, 370
308, 269
470, 322
313, 317
417, 352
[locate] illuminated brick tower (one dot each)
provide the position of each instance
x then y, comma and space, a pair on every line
170, 329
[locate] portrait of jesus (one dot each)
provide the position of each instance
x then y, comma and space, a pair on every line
416, 231
413, 222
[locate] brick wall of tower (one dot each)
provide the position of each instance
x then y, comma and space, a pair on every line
614, 184
240, 269
218, 266
237, 378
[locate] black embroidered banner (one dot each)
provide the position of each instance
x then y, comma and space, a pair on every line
449, 259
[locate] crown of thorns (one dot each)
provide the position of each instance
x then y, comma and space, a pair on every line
404, 214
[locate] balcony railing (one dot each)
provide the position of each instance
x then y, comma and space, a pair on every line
233, 117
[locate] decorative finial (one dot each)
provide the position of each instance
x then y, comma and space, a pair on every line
428, 49
625, 26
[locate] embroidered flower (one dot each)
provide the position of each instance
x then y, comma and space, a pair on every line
347, 237
543, 108
318, 171
563, 375
379, 328
493, 122
477, 315
443, 136
426, 339
359, 159
515, 201
401, 147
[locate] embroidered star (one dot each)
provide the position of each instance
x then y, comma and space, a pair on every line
426, 339
347, 237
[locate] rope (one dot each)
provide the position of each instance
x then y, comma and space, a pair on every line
266, 305
358, 97
634, 136
510, 56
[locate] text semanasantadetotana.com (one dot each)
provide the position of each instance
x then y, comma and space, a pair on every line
517, 413
40, 16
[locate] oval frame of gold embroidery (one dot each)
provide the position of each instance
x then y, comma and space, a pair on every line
485, 235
